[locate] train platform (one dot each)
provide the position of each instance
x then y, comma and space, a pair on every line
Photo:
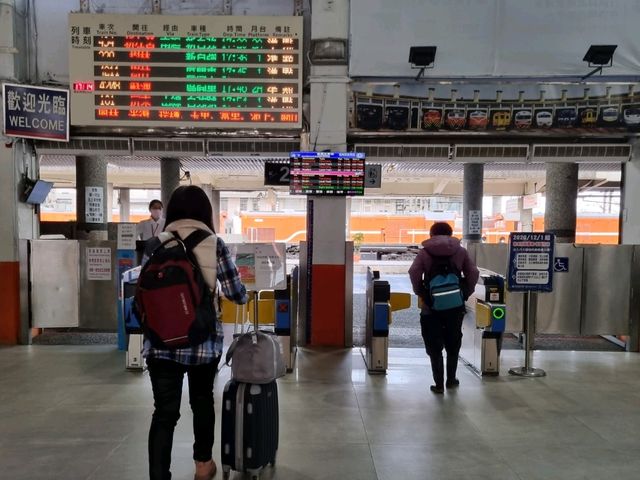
73, 412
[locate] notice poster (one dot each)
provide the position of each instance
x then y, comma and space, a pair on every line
475, 222
530, 262
98, 263
94, 205
261, 266
127, 236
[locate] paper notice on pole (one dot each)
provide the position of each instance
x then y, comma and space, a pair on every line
94, 205
99, 263
261, 266
127, 236
270, 265
475, 222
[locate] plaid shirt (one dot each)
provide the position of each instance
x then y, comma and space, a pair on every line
206, 352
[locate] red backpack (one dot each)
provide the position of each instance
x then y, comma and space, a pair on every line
174, 303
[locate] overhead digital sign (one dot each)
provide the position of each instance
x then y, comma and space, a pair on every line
177, 71
326, 173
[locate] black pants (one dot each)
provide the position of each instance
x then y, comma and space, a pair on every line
166, 381
438, 331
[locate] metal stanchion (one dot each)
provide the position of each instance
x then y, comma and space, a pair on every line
528, 370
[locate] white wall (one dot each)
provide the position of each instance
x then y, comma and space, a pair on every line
492, 37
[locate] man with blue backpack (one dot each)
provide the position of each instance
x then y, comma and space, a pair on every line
443, 276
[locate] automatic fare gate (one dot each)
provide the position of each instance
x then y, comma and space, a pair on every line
380, 302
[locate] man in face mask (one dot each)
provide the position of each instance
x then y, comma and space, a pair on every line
152, 226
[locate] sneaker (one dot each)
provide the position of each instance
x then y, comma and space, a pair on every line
453, 383
436, 389
205, 470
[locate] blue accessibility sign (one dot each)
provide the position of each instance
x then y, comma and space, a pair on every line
530, 262
35, 112
561, 264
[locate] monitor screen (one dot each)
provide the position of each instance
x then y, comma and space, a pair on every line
36, 192
326, 173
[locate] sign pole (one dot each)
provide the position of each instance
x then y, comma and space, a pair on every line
528, 370
530, 271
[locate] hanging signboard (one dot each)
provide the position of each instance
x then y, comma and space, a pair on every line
181, 71
35, 112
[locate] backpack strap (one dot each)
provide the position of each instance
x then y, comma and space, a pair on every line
194, 238
150, 245
191, 242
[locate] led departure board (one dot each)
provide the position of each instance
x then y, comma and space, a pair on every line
326, 173
185, 71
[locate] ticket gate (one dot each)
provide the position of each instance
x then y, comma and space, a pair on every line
484, 324
378, 293
380, 303
132, 328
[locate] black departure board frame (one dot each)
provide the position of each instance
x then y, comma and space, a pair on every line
185, 71
327, 173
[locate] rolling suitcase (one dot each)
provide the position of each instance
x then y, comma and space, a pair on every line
249, 427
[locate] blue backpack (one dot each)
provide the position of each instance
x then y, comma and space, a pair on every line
443, 286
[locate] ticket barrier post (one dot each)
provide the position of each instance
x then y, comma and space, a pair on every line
483, 326
132, 327
284, 327
378, 316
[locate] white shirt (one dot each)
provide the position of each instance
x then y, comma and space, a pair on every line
150, 228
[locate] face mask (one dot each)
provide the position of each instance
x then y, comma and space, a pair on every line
155, 213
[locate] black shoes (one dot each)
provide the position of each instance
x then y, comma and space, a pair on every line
453, 383
449, 384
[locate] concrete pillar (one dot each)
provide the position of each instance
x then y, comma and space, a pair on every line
91, 197
125, 204
169, 178
329, 305
630, 196
561, 198
19, 220
472, 191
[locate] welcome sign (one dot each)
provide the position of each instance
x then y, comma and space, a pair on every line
35, 112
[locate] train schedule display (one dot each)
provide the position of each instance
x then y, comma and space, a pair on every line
327, 173
177, 71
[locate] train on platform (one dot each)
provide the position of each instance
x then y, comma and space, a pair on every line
386, 229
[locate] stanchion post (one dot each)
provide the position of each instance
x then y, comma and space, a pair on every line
529, 331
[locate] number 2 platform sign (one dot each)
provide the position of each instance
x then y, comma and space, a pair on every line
530, 262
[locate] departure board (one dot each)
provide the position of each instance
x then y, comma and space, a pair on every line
185, 71
326, 173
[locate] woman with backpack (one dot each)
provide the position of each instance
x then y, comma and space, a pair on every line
188, 211
443, 275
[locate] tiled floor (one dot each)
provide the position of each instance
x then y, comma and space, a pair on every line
74, 413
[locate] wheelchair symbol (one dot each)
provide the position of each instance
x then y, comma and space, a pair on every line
561, 264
